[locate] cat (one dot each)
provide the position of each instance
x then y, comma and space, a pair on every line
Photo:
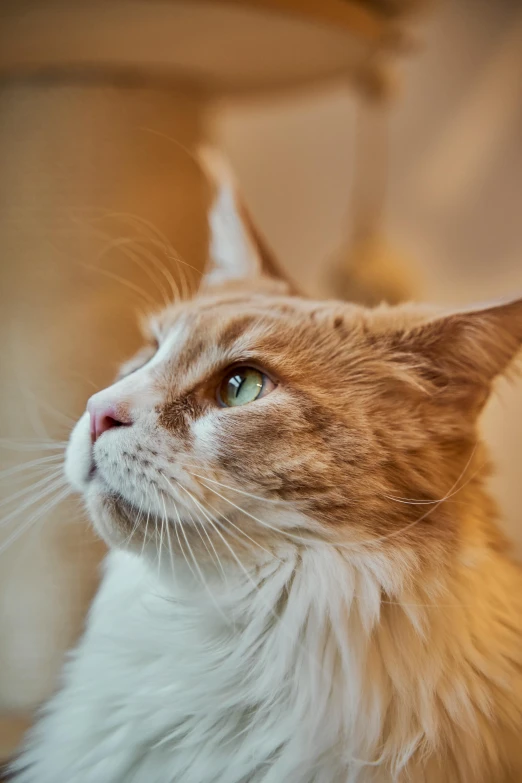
306, 581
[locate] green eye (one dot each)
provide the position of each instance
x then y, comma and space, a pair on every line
243, 385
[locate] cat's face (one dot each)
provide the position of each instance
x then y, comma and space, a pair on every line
243, 399
255, 418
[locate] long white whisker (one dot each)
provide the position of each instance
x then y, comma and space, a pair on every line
199, 524
248, 576
167, 528
155, 235
162, 267
158, 239
160, 547
119, 279
456, 489
22, 492
42, 510
145, 534
234, 489
434, 507
287, 533
57, 484
23, 444
205, 514
182, 549
200, 573
122, 243
194, 560
236, 527
34, 463
181, 527
370, 542
128, 540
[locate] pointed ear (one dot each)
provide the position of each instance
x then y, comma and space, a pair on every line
459, 355
236, 250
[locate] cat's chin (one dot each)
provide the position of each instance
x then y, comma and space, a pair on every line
113, 517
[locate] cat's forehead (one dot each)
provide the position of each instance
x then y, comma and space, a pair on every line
287, 331
226, 319
203, 335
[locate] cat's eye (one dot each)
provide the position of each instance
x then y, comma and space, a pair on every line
242, 385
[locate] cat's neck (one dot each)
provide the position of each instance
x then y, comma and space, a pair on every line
378, 585
351, 643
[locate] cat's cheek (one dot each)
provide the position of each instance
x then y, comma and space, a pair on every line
206, 436
78, 455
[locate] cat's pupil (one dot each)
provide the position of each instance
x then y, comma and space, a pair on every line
242, 386
236, 382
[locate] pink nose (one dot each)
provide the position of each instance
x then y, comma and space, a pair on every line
105, 416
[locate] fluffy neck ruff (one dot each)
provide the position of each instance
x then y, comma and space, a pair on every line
369, 666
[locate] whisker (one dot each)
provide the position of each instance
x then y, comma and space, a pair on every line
160, 547
34, 518
180, 145
56, 484
194, 559
234, 489
163, 269
373, 541
167, 528
181, 527
434, 507
119, 279
32, 445
42, 462
146, 531
121, 243
154, 236
128, 540
240, 531
218, 559
67, 420
205, 514
42, 483
287, 533
182, 549
269, 607
413, 502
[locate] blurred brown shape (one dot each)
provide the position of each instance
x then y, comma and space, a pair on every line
370, 272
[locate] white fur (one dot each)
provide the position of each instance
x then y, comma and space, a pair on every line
162, 689
299, 684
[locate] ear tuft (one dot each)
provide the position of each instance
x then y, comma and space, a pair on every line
233, 255
461, 354
236, 249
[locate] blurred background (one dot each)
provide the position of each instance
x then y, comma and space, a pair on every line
378, 145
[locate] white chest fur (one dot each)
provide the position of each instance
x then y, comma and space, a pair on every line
280, 679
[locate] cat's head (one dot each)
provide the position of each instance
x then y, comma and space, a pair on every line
255, 418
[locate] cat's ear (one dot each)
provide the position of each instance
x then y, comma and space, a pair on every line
236, 250
460, 355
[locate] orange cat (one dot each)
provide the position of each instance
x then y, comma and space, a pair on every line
307, 582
